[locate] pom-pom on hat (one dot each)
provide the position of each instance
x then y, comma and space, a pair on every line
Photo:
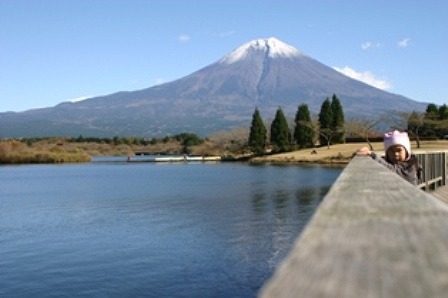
397, 138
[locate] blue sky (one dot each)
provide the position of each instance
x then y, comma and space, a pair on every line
58, 50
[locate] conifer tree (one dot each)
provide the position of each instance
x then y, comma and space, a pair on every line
280, 135
432, 112
337, 120
304, 131
257, 136
436, 121
430, 120
325, 122
443, 112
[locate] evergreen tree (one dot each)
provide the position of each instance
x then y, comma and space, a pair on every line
280, 135
430, 119
442, 123
257, 136
435, 121
325, 122
443, 112
304, 131
337, 121
432, 112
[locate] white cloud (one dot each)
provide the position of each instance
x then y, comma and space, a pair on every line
368, 45
81, 98
366, 77
404, 43
158, 81
184, 38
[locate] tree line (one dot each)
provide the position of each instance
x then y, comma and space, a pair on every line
186, 139
329, 129
433, 123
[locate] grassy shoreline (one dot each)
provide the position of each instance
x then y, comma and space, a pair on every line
339, 154
43, 158
56, 152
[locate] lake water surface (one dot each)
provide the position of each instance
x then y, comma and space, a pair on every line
151, 230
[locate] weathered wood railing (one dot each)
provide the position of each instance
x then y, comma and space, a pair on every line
374, 235
434, 165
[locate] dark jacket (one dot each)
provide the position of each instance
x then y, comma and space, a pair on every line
408, 170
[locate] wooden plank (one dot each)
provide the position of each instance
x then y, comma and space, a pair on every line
374, 235
441, 193
434, 164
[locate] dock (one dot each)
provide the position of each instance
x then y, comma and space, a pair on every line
373, 235
441, 193
174, 158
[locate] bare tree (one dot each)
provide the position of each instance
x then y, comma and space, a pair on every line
363, 127
415, 123
326, 134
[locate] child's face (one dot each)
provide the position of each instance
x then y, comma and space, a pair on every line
396, 153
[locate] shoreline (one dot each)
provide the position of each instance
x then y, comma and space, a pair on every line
327, 163
339, 154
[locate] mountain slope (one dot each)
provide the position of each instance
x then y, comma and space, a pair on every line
264, 73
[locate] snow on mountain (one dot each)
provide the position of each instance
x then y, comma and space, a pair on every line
263, 73
79, 98
272, 46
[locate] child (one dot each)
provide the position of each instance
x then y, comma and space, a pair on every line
399, 159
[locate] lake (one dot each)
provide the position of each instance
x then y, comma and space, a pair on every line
110, 228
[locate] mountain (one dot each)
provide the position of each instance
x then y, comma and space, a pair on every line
263, 73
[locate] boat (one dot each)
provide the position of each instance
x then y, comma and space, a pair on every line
193, 158
169, 159
187, 158
211, 158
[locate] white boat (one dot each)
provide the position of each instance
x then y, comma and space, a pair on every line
212, 158
169, 159
187, 158
193, 158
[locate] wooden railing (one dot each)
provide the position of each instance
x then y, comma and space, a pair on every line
434, 165
373, 235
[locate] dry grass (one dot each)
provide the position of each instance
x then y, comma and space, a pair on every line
341, 153
42, 157
16, 152
62, 151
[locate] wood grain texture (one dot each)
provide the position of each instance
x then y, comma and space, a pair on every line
441, 193
374, 235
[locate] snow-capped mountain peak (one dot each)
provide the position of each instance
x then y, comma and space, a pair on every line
272, 46
264, 73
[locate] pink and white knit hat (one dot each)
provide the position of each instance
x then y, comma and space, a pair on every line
397, 138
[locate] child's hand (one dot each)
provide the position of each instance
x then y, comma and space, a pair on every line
363, 151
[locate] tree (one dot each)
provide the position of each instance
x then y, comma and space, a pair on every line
432, 111
325, 122
415, 123
304, 130
80, 139
363, 127
280, 135
431, 120
188, 140
442, 123
443, 112
337, 121
418, 124
257, 135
